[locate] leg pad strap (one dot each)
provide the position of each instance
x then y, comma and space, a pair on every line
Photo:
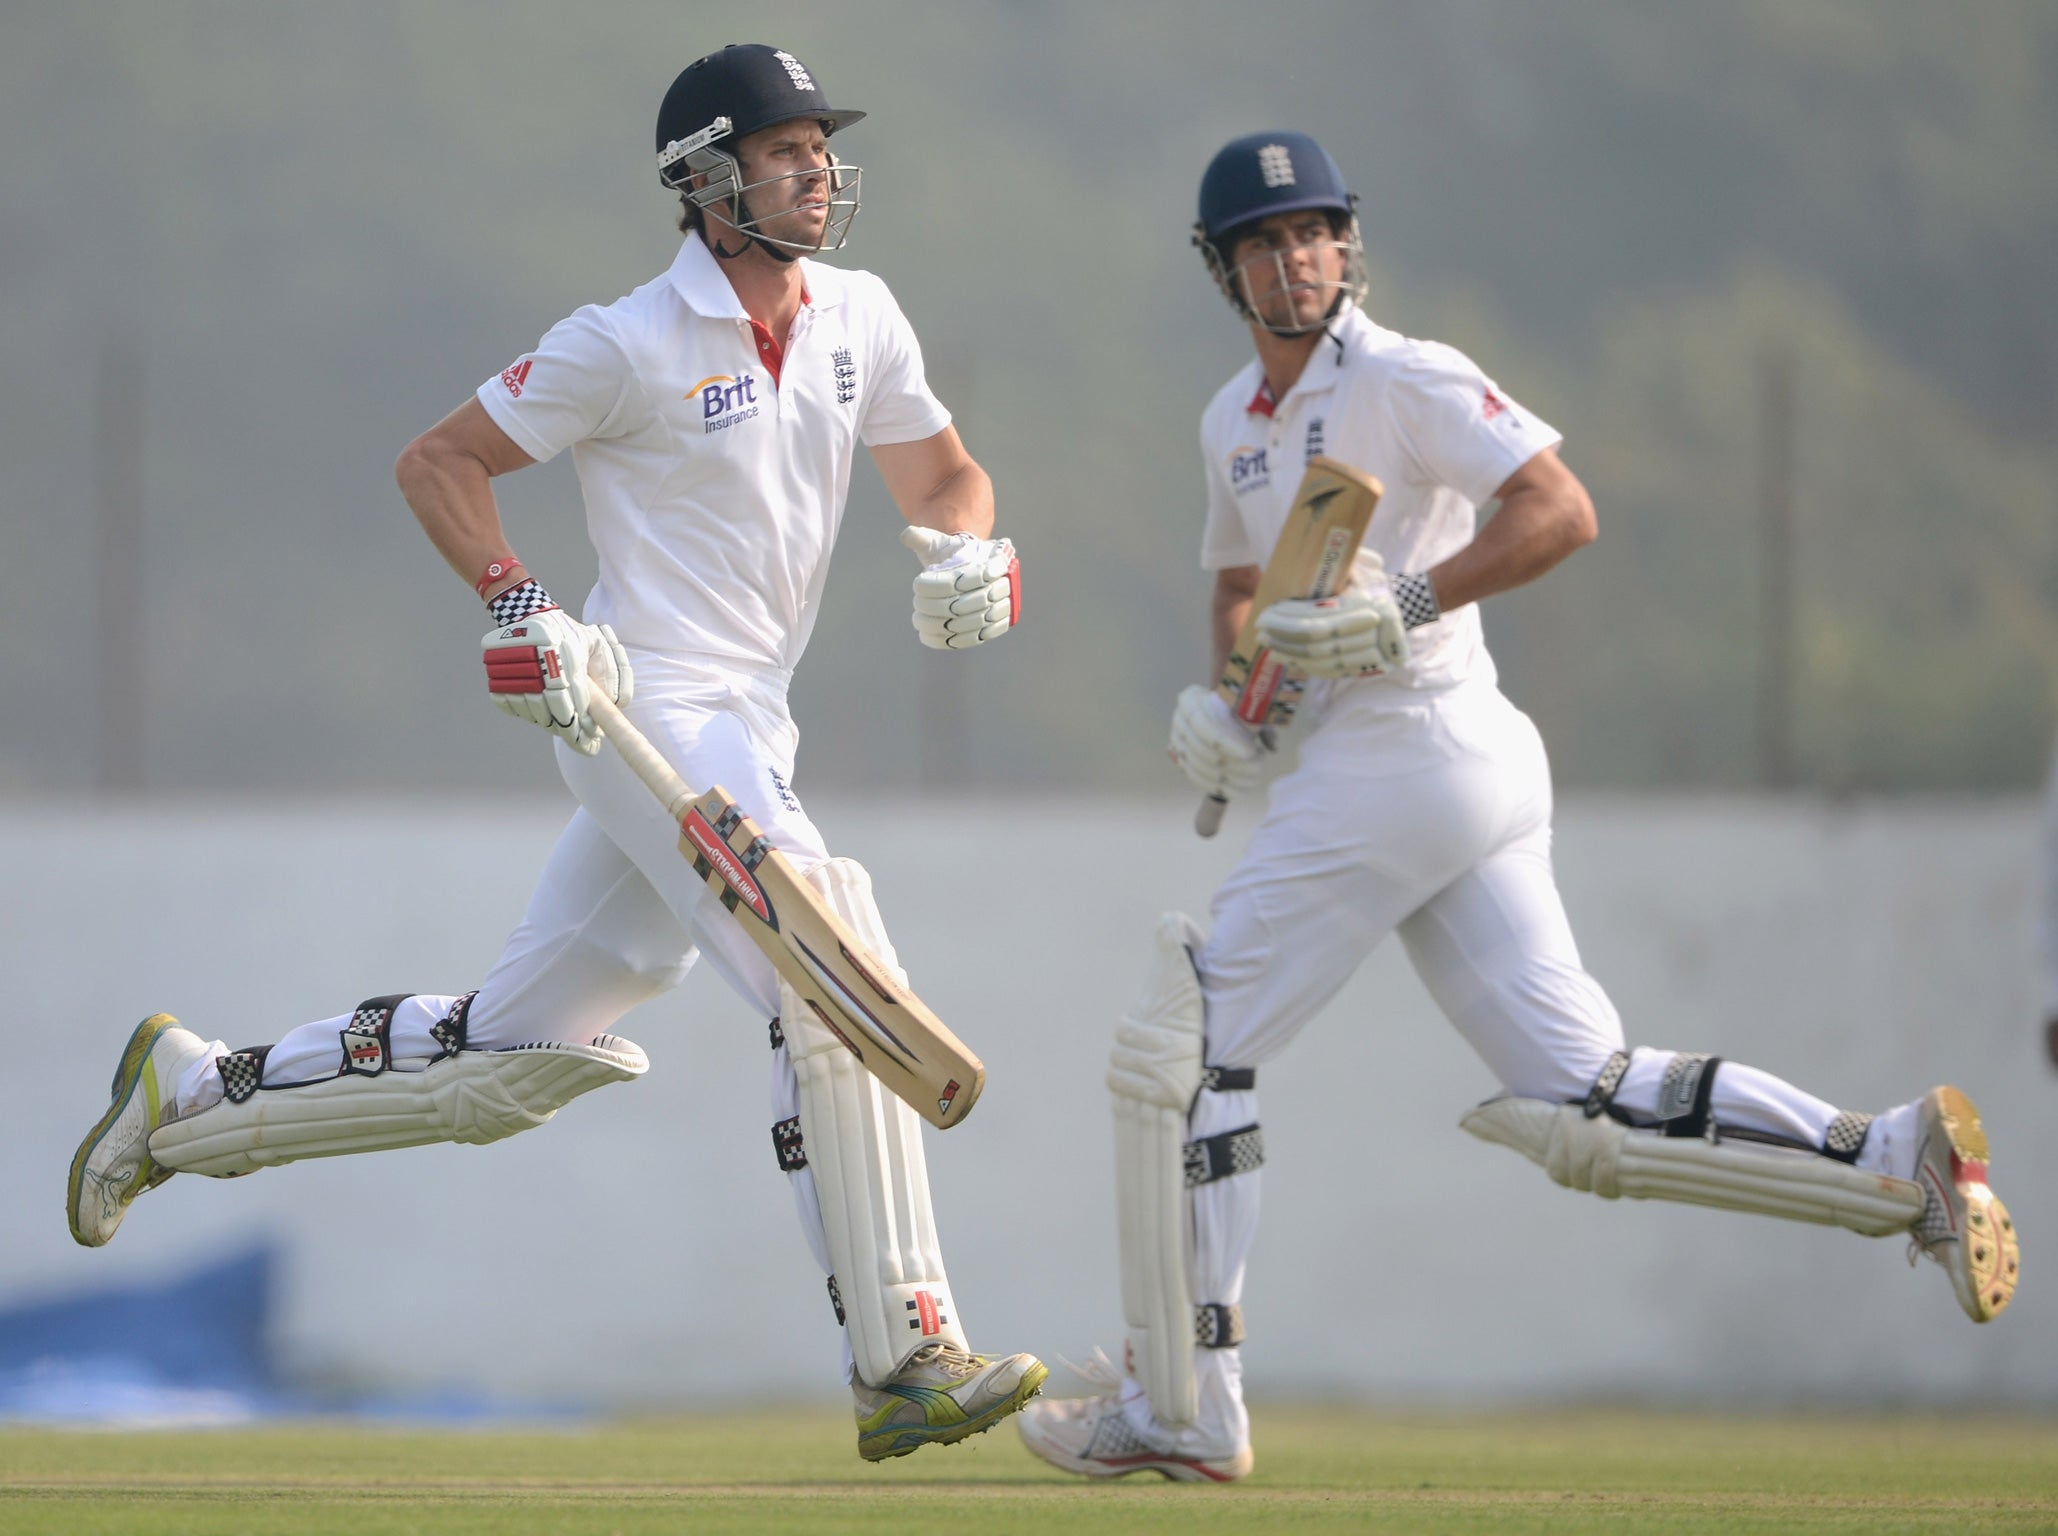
1224, 1156
1216, 1326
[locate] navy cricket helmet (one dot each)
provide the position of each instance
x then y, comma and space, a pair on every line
1262, 174
729, 95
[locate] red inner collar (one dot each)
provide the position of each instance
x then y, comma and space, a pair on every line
772, 352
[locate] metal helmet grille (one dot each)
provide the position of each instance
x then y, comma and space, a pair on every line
1346, 292
725, 191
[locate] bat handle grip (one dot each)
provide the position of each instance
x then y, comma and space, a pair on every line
639, 754
1207, 821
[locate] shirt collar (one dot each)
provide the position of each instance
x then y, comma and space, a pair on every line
700, 281
1323, 365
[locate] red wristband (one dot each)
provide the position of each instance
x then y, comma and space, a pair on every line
496, 572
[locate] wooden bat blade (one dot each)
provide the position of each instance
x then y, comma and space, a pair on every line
1312, 557
887, 1027
847, 987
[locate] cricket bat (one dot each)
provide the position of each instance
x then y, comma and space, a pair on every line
848, 988
1312, 558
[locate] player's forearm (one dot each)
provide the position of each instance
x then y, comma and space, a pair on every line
962, 502
1229, 612
450, 493
1534, 529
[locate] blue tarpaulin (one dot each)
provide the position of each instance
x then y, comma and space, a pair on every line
196, 1349
190, 1349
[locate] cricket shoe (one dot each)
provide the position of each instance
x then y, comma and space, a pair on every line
942, 1395
1113, 1434
113, 1164
1962, 1226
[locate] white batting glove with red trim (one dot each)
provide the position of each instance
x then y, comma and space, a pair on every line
970, 590
541, 663
1214, 749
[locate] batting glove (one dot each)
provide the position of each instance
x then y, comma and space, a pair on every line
1211, 746
1359, 634
541, 662
970, 590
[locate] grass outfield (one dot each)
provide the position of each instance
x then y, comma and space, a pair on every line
1343, 1470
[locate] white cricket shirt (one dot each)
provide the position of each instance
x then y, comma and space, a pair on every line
1418, 416
714, 464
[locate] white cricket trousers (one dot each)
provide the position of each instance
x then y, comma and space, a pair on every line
618, 915
1430, 814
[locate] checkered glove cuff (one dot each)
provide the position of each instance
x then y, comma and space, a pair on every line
517, 603
1417, 599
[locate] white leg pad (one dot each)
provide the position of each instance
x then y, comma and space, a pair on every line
1154, 1072
1612, 1160
864, 1147
473, 1096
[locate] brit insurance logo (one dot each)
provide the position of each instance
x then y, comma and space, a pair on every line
1248, 470
725, 399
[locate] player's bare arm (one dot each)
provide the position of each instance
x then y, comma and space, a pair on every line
1545, 514
1230, 606
937, 484
446, 476
1538, 516
541, 663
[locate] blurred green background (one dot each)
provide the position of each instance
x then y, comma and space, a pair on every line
248, 250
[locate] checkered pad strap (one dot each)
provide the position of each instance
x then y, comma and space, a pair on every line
1845, 1138
1415, 595
786, 1145
367, 1050
1683, 1094
517, 603
1216, 1326
242, 1072
1602, 1094
836, 1300
454, 1028
1229, 1079
1224, 1156
778, 1035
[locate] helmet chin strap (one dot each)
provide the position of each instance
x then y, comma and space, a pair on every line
740, 215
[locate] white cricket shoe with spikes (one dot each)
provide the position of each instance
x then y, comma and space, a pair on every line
1113, 1434
113, 1164
1962, 1226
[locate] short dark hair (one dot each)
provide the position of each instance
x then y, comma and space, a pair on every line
689, 215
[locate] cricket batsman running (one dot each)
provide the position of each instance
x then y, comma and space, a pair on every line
712, 415
1421, 803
